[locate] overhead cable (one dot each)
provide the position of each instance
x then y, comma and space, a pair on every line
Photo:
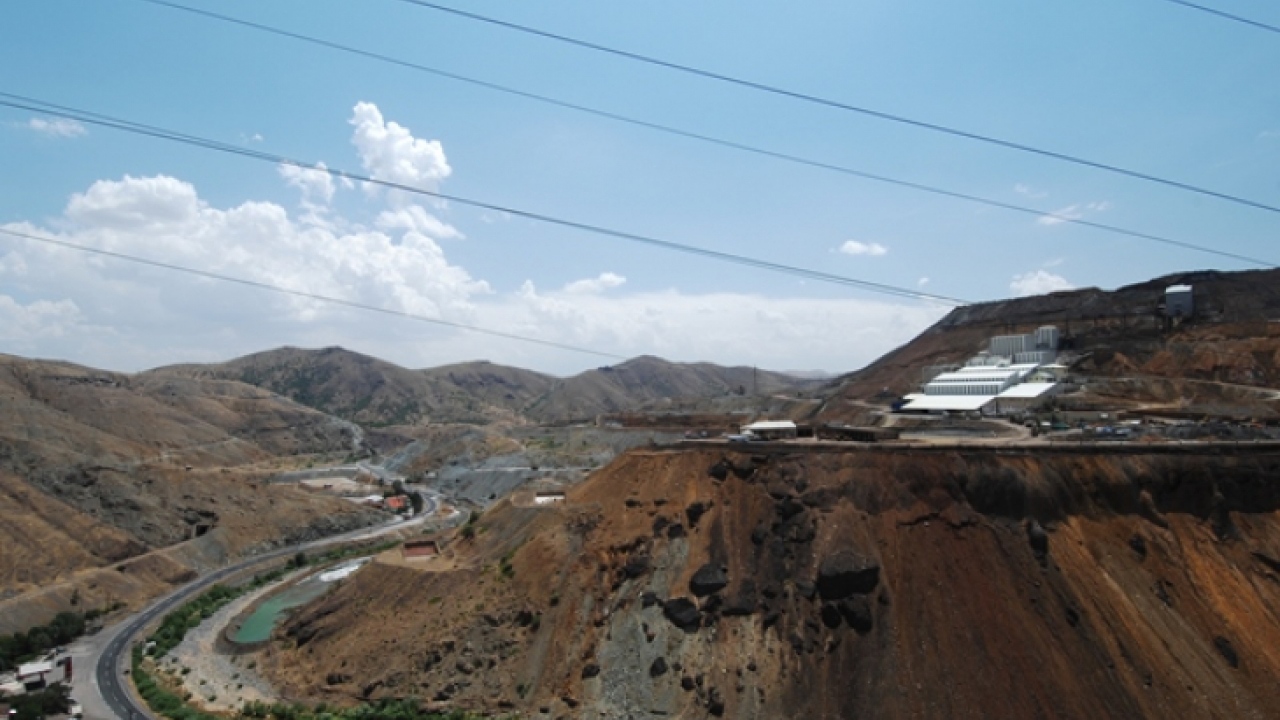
840, 105
842, 169
31, 104
1226, 15
302, 294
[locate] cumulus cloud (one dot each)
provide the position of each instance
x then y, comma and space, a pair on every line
163, 218
40, 319
388, 151
1038, 282
1074, 212
415, 218
57, 127
853, 247
604, 281
315, 183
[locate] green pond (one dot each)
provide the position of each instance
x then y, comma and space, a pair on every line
258, 626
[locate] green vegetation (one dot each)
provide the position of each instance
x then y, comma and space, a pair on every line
65, 627
53, 700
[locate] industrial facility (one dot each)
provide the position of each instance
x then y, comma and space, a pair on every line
1015, 373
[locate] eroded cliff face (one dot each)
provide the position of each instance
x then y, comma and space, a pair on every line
874, 582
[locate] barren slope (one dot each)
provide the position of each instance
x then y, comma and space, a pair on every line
99, 467
864, 584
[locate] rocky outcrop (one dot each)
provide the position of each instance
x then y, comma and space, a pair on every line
977, 584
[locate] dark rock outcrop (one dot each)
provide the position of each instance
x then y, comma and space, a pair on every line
710, 578
847, 573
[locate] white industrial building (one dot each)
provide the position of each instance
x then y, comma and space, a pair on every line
1179, 301
1012, 374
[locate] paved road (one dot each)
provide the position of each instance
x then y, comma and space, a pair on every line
109, 695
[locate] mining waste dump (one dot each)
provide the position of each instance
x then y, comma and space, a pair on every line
863, 582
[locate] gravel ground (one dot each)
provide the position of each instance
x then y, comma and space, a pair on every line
229, 680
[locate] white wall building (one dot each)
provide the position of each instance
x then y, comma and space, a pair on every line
1179, 301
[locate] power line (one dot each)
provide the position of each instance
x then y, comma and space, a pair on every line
842, 169
839, 105
1226, 15
99, 119
302, 294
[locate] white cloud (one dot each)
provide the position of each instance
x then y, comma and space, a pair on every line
922, 282
164, 219
605, 281
1038, 282
315, 183
853, 247
416, 219
1053, 263
57, 127
1028, 191
728, 328
1269, 134
388, 151
41, 319
1074, 212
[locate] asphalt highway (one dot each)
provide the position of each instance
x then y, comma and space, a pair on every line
115, 660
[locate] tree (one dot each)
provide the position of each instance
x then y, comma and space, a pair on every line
415, 499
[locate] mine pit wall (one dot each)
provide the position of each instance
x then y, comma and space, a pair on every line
765, 583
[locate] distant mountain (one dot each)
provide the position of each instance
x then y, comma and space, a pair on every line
374, 392
1233, 338
645, 382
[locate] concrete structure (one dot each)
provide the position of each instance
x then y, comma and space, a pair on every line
1179, 301
419, 550
546, 497
771, 429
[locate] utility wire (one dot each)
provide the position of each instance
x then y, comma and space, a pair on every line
30, 104
1227, 15
756, 150
839, 105
302, 294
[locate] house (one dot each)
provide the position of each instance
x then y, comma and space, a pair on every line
35, 675
396, 503
771, 429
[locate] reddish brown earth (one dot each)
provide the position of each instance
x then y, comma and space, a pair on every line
980, 584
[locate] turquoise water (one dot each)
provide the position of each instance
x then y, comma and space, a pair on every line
258, 626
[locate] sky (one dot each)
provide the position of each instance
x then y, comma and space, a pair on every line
1146, 85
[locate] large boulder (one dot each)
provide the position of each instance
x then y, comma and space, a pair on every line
683, 613
847, 573
710, 578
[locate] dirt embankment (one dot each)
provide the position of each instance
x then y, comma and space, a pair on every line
974, 584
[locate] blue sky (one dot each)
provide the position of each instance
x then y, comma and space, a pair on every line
1142, 84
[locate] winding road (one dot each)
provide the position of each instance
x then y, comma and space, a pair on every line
109, 693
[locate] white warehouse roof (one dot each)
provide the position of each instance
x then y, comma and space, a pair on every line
1027, 390
769, 425
949, 402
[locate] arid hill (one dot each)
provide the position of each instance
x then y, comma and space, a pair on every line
369, 391
1233, 338
100, 469
868, 583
